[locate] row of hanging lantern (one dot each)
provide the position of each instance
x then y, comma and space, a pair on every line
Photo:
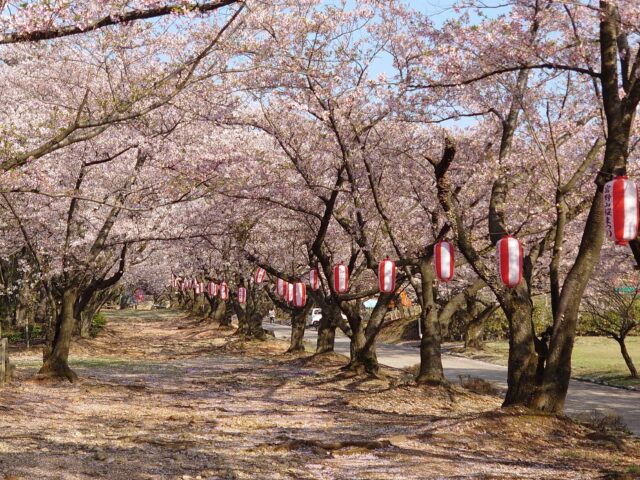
213, 289
622, 217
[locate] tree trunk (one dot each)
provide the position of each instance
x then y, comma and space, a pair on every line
327, 328
84, 321
254, 326
197, 308
521, 373
474, 335
57, 362
551, 394
243, 329
627, 357
363, 339
431, 372
220, 314
363, 355
298, 321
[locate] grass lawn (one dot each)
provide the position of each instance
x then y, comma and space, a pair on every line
593, 357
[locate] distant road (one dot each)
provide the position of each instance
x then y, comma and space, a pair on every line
582, 396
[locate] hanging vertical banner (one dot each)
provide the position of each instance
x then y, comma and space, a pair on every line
621, 210
444, 258
242, 295
387, 276
509, 256
299, 294
341, 278
314, 279
281, 287
261, 274
224, 291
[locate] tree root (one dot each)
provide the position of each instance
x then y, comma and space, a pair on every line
57, 371
327, 448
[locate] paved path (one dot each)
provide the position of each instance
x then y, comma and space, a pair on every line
582, 396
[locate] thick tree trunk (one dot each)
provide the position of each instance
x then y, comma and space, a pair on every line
327, 328
523, 361
243, 321
551, 394
363, 339
197, 308
298, 321
57, 362
627, 357
220, 314
431, 372
255, 326
474, 334
363, 355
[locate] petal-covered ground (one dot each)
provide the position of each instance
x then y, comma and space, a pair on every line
163, 397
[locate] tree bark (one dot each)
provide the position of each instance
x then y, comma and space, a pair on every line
220, 314
523, 361
474, 335
298, 321
197, 308
627, 357
57, 362
363, 338
327, 328
431, 372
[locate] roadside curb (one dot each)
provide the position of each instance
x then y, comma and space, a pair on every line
580, 379
606, 384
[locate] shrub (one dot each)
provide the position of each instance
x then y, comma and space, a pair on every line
478, 385
98, 322
603, 420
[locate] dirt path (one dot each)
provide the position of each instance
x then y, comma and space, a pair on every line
164, 397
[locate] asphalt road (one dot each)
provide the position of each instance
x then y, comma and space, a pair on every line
582, 396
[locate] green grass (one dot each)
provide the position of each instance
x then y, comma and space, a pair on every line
593, 357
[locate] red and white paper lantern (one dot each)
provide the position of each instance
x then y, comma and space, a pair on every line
289, 292
224, 291
444, 258
281, 287
212, 289
387, 276
621, 210
174, 282
341, 278
242, 295
196, 287
509, 256
314, 279
261, 274
299, 294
